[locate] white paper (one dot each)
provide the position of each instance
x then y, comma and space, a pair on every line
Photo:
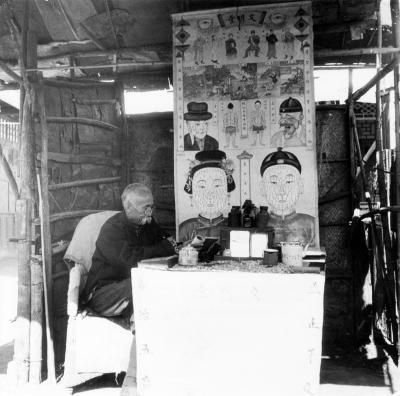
240, 243
227, 333
258, 243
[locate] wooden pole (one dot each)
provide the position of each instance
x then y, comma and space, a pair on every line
371, 83
44, 214
125, 137
395, 14
82, 183
36, 332
330, 53
22, 327
24, 215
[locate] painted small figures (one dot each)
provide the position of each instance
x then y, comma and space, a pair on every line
230, 121
288, 39
230, 47
254, 44
271, 41
198, 47
258, 123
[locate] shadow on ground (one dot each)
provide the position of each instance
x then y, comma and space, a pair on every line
353, 372
6, 355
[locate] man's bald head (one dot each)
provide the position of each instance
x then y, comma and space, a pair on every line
137, 201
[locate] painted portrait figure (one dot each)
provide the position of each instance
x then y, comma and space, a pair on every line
291, 129
209, 182
282, 186
197, 138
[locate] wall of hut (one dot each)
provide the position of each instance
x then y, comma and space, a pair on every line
151, 161
335, 211
77, 152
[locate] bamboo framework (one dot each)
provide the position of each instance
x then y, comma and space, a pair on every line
384, 268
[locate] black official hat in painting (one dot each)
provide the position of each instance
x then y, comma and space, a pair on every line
290, 105
211, 159
197, 111
280, 157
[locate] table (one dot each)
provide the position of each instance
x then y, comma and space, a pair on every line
206, 332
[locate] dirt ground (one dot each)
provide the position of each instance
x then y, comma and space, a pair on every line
341, 376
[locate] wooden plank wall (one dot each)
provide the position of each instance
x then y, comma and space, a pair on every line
77, 152
84, 147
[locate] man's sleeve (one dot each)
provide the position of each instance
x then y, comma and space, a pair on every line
119, 252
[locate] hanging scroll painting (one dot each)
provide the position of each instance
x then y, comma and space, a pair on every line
244, 118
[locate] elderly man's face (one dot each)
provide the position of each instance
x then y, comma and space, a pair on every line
289, 123
282, 187
139, 208
198, 128
210, 192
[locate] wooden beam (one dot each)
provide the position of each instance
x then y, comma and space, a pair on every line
10, 72
75, 84
92, 37
95, 101
68, 20
382, 73
330, 53
9, 173
70, 215
81, 183
111, 23
82, 120
81, 159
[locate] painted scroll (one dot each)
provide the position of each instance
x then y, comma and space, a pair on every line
243, 86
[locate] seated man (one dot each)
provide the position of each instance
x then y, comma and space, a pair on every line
125, 239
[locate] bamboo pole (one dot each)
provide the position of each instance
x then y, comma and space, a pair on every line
125, 131
327, 53
36, 332
76, 84
70, 215
395, 14
11, 73
44, 214
82, 120
371, 83
81, 183
382, 186
92, 37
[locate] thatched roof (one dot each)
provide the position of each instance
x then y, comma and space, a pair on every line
139, 33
